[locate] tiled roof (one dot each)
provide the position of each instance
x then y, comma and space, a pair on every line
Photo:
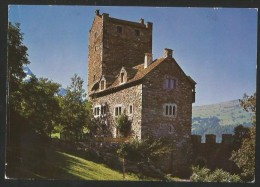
136, 74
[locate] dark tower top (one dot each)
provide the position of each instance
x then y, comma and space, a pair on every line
115, 43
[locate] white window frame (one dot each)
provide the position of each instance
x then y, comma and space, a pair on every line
168, 110
103, 109
102, 80
97, 108
123, 71
115, 108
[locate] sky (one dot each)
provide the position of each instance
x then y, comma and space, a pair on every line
217, 47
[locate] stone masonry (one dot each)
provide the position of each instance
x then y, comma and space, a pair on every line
156, 94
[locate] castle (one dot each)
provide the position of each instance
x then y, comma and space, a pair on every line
123, 77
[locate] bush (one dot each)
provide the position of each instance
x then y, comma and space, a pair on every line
219, 175
123, 125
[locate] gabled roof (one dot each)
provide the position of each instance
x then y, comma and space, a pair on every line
137, 73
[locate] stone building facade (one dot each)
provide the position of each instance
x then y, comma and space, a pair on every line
123, 77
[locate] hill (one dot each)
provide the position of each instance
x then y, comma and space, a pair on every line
62, 165
219, 118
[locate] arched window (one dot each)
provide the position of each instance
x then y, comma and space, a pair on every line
102, 84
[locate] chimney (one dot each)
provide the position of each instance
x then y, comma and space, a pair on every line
141, 21
97, 12
148, 59
168, 53
105, 16
149, 25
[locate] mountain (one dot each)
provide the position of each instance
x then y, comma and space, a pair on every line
28, 73
220, 118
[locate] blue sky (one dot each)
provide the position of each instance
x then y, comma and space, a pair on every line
216, 47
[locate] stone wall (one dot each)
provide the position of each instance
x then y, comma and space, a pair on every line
95, 52
126, 48
214, 155
125, 97
177, 128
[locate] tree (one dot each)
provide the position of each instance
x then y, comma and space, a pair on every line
17, 58
74, 114
40, 104
240, 133
123, 125
122, 152
244, 157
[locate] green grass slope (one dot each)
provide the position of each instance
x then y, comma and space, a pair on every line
61, 165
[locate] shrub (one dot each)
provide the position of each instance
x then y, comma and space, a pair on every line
219, 175
123, 125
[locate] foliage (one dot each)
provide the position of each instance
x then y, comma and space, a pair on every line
122, 152
98, 127
40, 104
245, 156
123, 125
17, 58
74, 114
149, 148
240, 133
219, 175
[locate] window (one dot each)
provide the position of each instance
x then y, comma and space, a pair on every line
170, 109
169, 83
95, 35
119, 29
96, 48
137, 32
131, 109
97, 111
100, 110
118, 110
102, 85
122, 77
103, 109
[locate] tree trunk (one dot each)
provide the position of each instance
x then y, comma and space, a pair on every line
123, 168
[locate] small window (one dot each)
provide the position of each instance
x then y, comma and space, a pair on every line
119, 29
95, 35
102, 85
118, 110
122, 77
97, 111
103, 109
94, 77
137, 32
131, 109
170, 109
96, 48
170, 84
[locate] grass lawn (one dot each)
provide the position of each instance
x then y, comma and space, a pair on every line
61, 165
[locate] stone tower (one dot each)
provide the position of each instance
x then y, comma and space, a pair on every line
114, 43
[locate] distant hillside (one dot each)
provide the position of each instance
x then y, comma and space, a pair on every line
219, 118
